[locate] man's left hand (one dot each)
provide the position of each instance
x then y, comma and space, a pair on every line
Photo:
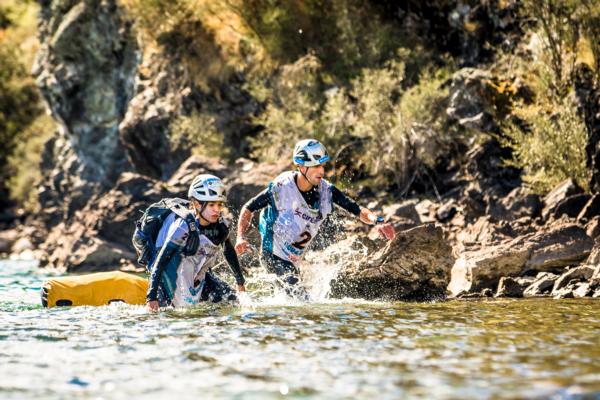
386, 230
241, 288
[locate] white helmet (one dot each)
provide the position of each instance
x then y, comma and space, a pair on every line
309, 153
206, 187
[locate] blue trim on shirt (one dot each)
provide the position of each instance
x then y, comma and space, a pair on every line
267, 220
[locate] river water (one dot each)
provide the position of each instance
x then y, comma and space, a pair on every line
269, 348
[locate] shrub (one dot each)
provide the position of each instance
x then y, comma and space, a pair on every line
198, 132
24, 162
550, 149
392, 132
19, 97
294, 98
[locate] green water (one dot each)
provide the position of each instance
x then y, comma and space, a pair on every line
269, 349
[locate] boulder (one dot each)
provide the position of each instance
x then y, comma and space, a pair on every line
415, 265
562, 191
541, 286
517, 204
578, 274
594, 257
426, 211
591, 209
513, 287
561, 246
571, 206
587, 94
572, 290
545, 251
98, 255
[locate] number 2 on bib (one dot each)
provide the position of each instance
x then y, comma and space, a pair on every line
304, 239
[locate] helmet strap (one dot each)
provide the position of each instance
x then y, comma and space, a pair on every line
202, 207
306, 177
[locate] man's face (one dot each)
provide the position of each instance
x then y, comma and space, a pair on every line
212, 211
315, 174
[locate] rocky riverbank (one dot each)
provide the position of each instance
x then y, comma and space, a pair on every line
467, 224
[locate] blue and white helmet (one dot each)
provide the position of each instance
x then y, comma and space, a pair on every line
309, 153
206, 187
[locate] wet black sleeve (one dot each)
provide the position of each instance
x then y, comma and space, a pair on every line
166, 253
345, 202
259, 201
232, 260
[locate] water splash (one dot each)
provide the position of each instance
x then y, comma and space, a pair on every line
321, 267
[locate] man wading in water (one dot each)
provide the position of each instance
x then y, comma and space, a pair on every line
294, 206
181, 279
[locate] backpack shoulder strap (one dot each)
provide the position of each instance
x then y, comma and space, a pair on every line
181, 208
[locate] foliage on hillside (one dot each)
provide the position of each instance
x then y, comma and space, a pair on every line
347, 72
19, 97
549, 143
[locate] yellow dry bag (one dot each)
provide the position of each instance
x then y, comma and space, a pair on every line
97, 289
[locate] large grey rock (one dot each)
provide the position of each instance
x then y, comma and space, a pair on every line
591, 209
587, 94
513, 287
572, 206
145, 133
415, 265
545, 251
594, 257
562, 246
517, 204
405, 210
562, 191
572, 290
582, 273
541, 286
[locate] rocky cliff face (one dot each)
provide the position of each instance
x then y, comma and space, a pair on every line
86, 70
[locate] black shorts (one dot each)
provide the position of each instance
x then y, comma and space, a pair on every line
288, 274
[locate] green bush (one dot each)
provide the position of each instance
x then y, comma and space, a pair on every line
293, 101
24, 162
198, 133
19, 105
551, 149
395, 131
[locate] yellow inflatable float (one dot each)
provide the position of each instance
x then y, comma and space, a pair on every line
96, 289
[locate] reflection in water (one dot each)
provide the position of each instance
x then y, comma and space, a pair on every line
270, 349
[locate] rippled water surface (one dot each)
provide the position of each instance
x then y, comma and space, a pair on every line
269, 349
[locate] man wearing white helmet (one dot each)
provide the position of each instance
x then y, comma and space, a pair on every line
181, 279
294, 206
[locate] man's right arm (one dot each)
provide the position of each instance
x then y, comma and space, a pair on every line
258, 202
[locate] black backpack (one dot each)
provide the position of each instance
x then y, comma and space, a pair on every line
148, 226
